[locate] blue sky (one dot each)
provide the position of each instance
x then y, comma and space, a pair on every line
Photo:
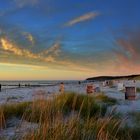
95, 37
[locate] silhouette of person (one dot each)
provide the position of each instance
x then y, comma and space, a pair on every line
79, 82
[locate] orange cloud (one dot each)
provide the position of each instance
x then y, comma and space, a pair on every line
29, 37
48, 55
13, 48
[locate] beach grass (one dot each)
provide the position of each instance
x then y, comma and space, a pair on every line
68, 116
17, 109
136, 116
74, 116
136, 78
105, 99
73, 128
138, 90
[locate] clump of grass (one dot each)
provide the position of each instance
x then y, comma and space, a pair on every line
74, 128
135, 116
17, 110
135, 132
84, 104
106, 99
138, 90
68, 116
2, 119
136, 78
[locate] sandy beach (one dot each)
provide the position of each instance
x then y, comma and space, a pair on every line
31, 93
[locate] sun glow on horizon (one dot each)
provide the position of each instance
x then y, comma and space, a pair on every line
10, 71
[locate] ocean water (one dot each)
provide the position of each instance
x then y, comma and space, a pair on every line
22, 84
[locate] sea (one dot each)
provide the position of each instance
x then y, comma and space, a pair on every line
35, 83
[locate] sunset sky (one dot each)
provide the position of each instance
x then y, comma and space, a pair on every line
68, 39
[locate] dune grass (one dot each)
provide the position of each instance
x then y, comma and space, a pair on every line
106, 128
17, 110
73, 116
138, 90
105, 99
135, 131
136, 78
136, 116
68, 116
65, 103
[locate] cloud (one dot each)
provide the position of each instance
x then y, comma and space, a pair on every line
128, 53
29, 67
128, 48
22, 3
83, 18
11, 47
55, 49
29, 37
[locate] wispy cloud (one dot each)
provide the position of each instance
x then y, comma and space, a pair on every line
83, 18
22, 3
46, 58
11, 47
29, 37
128, 54
129, 48
55, 49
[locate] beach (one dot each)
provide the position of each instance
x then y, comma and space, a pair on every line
16, 95
23, 94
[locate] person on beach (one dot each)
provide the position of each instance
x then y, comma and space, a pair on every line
61, 88
0, 87
79, 82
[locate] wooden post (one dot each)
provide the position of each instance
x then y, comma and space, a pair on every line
0, 87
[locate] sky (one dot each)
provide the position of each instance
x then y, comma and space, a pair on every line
68, 39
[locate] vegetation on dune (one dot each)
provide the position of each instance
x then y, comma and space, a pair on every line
136, 116
135, 131
84, 104
138, 90
106, 128
103, 78
18, 109
70, 116
136, 78
73, 116
105, 99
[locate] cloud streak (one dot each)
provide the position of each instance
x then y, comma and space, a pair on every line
128, 54
29, 37
83, 18
22, 3
49, 58
11, 47
55, 49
